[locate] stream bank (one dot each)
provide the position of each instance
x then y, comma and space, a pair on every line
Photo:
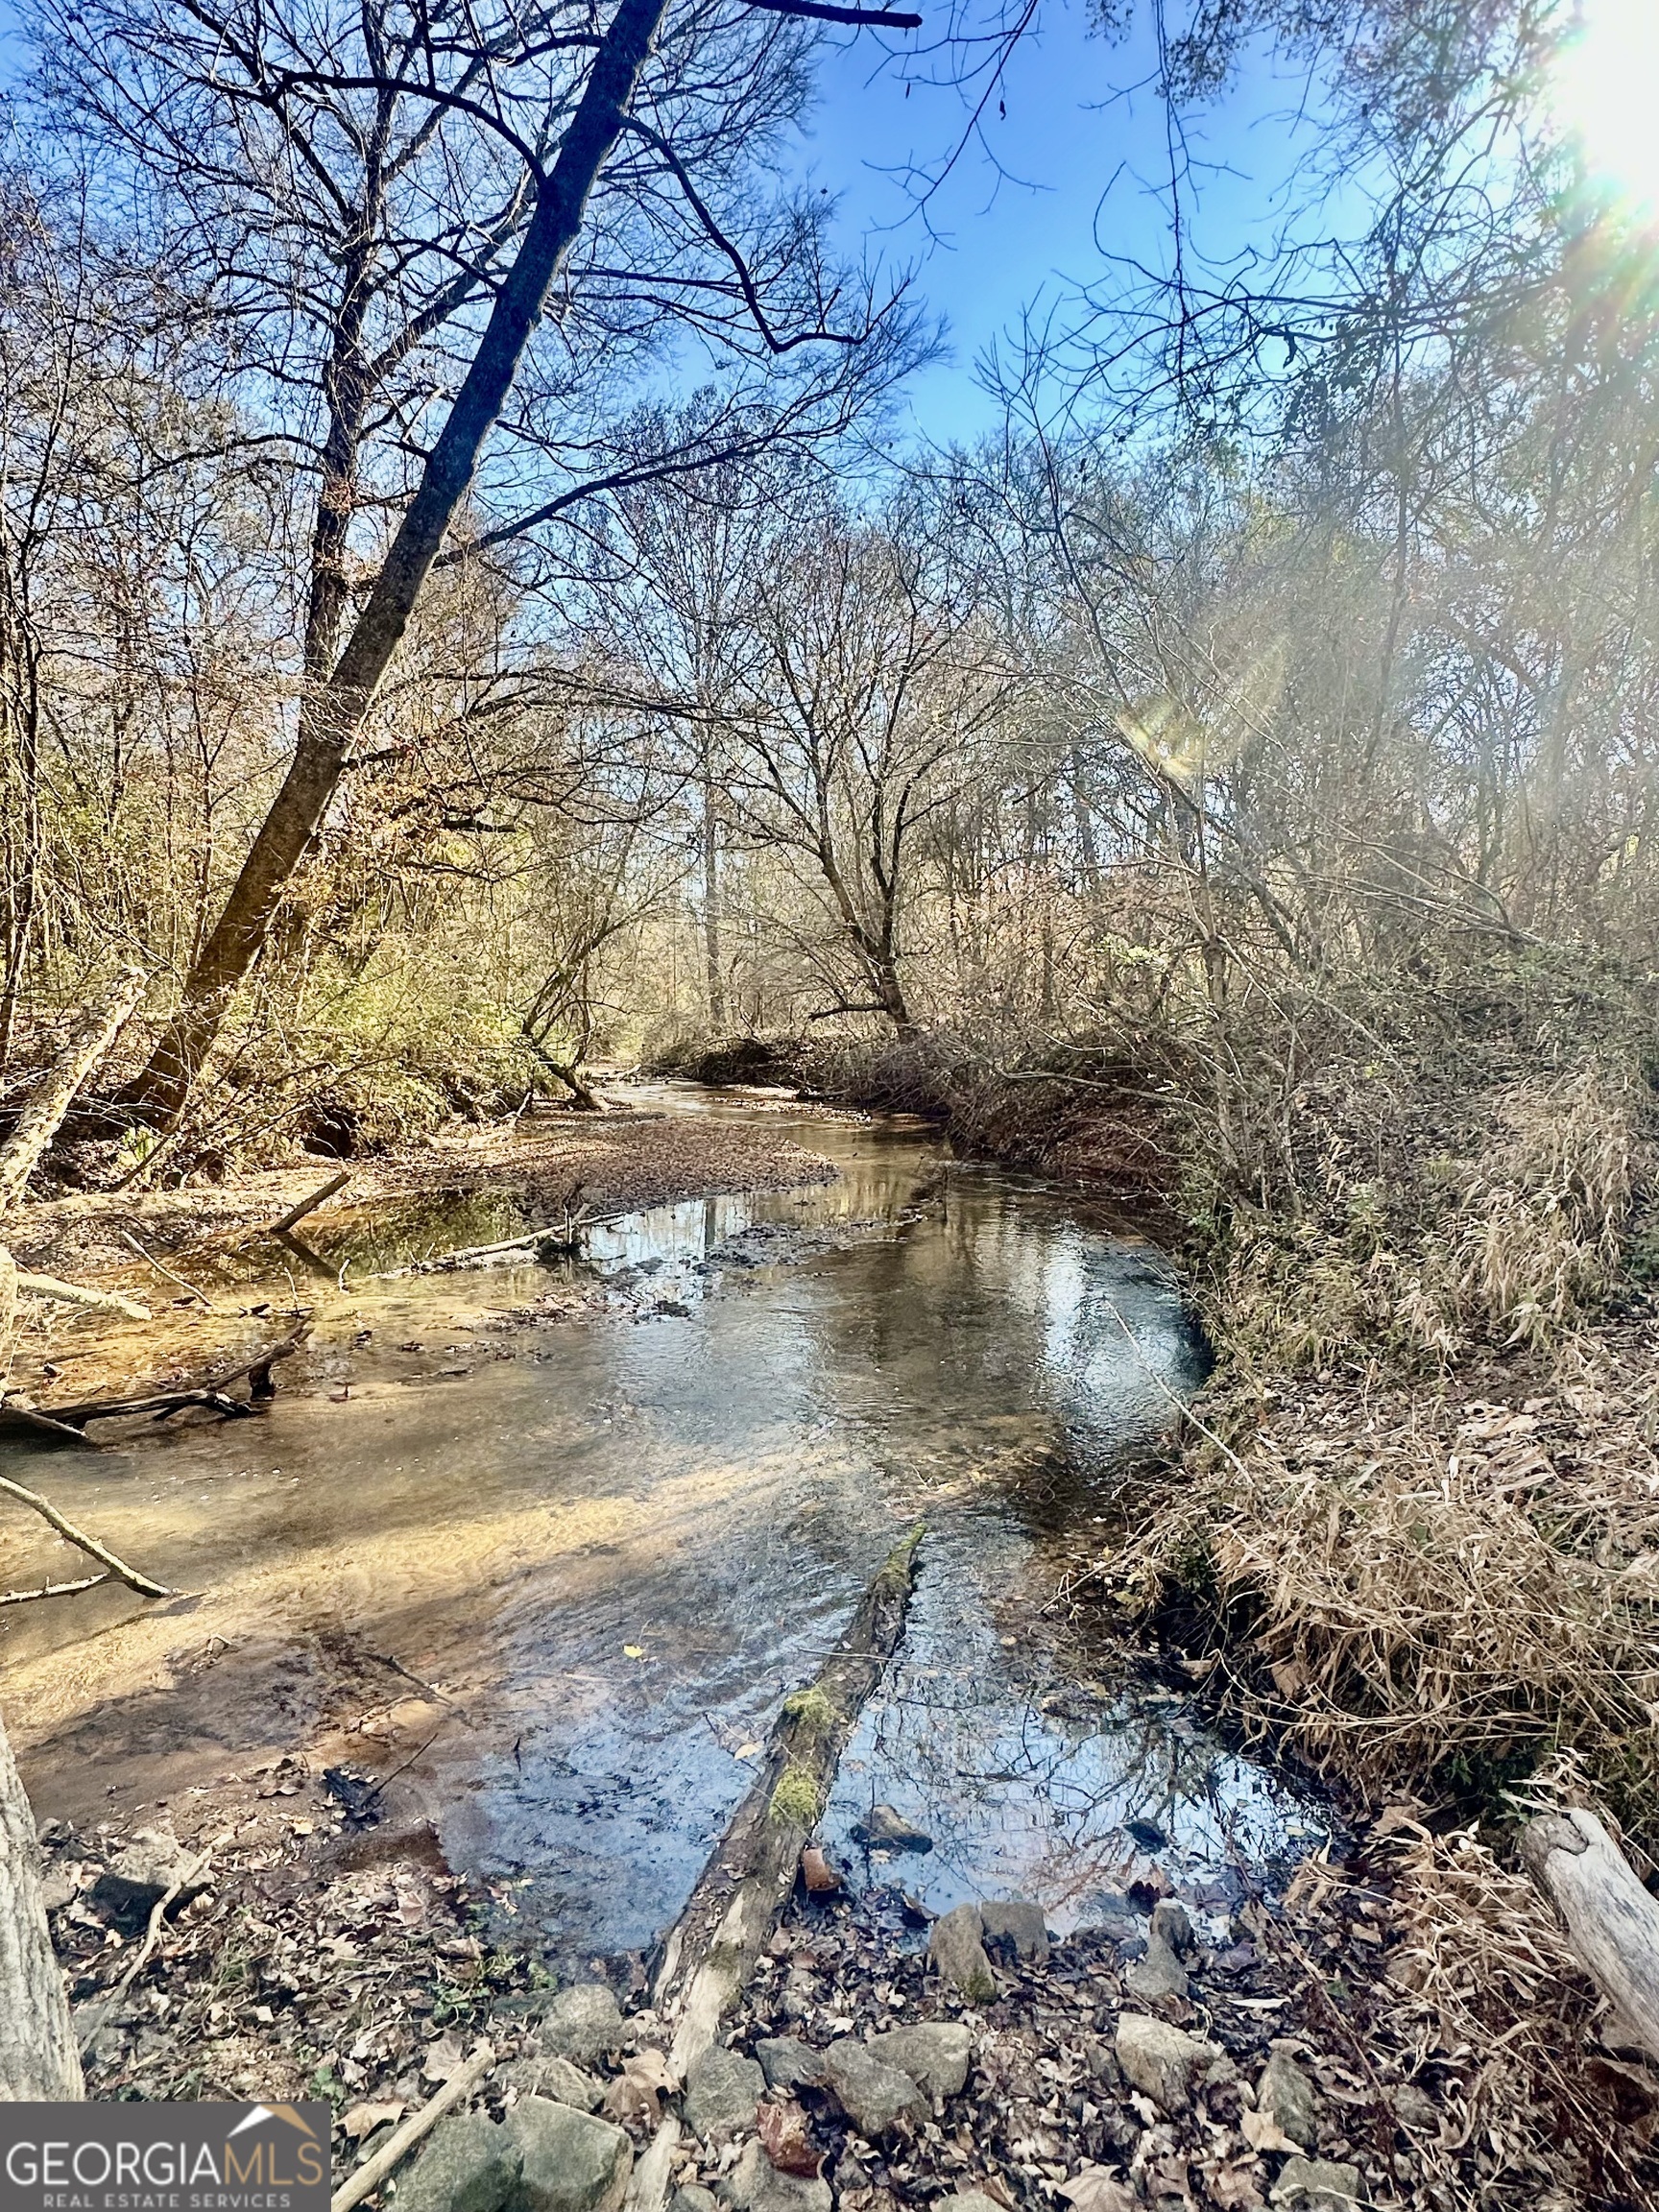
551, 1613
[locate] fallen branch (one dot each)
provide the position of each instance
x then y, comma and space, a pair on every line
15, 1407
1612, 1922
52, 1590
87, 1544
559, 1236
77, 1294
162, 1269
297, 1214
711, 1950
369, 2176
162, 1404
151, 1937
653, 2175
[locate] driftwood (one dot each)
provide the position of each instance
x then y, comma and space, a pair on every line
38, 2062
162, 1269
653, 2177
373, 2171
87, 1544
296, 1214
162, 1404
52, 1590
711, 1950
1612, 1922
54, 1090
77, 1294
558, 1236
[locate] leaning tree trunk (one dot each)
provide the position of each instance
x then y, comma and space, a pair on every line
336, 715
38, 2062
44, 1108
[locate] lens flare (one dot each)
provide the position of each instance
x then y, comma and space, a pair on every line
1604, 94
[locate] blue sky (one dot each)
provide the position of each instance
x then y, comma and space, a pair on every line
1074, 166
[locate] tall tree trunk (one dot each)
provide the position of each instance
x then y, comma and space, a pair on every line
20, 781
38, 2062
711, 956
334, 711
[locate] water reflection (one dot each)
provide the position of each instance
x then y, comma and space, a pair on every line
622, 1545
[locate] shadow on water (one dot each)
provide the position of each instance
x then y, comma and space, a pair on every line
620, 1544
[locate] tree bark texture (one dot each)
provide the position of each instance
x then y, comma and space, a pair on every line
37, 2055
1612, 1922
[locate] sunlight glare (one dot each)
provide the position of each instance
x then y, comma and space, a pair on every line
1605, 95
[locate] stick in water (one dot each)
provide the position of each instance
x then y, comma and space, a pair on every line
87, 1544
310, 1205
162, 1269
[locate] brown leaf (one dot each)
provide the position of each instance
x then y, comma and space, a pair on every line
1092, 2189
629, 2098
360, 2120
1236, 2187
816, 1871
787, 2138
1262, 2132
444, 2059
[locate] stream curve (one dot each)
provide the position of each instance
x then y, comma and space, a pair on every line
612, 1547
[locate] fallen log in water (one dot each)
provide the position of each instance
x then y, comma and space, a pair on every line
161, 1405
1612, 1922
711, 1950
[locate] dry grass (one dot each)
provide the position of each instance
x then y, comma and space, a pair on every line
1466, 1209
1481, 2002
1433, 1592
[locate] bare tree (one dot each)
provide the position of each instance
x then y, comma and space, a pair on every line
384, 204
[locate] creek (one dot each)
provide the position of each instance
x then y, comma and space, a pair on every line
616, 1542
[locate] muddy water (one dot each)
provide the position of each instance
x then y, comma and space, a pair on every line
615, 1544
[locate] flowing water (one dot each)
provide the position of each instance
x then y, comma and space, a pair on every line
615, 1544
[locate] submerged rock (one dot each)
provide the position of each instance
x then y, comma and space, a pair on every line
934, 2054
722, 2090
691, 2197
875, 2096
1161, 2060
957, 1952
1015, 1929
572, 2162
581, 2023
884, 1829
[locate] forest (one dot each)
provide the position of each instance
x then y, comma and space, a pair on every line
480, 632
